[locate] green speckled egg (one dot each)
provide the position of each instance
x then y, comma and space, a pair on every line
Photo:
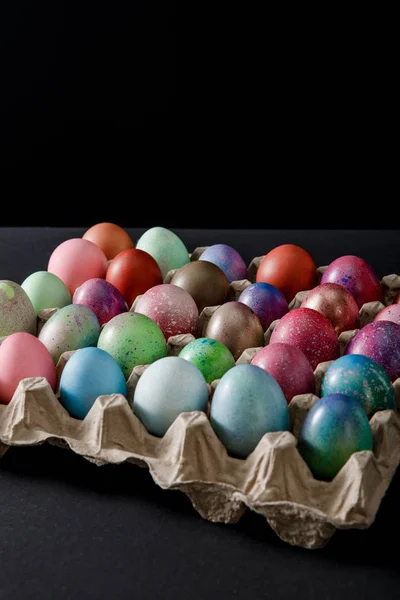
165, 247
70, 328
132, 339
46, 290
16, 310
210, 356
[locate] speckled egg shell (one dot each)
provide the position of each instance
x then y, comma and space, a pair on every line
46, 290
335, 428
336, 304
266, 301
357, 276
16, 310
70, 328
361, 378
389, 313
102, 297
205, 282
132, 339
380, 341
210, 356
165, 247
227, 259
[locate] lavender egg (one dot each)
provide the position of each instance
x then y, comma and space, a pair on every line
266, 301
380, 340
227, 259
102, 297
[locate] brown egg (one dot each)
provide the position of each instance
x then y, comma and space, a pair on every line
235, 325
205, 282
111, 238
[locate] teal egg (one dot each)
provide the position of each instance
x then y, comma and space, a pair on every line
165, 247
210, 356
335, 428
132, 339
70, 328
46, 290
362, 378
16, 310
247, 403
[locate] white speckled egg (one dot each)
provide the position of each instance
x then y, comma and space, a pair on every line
16, 310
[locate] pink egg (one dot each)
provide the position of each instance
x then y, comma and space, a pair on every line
77, 260
23, 355
310, 331
102, 297
171, 307
357, 276
389, 313
289, 367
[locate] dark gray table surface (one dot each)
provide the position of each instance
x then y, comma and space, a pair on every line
70, 529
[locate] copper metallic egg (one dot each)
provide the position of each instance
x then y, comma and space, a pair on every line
235, 325
205, 282
336, 304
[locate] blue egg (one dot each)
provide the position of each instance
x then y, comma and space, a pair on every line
227, 259
88, 374
247, 403
168, 387
266, 301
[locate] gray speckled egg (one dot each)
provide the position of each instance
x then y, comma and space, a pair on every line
16, 310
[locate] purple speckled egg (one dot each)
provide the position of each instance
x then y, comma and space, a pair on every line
357, 276
389, 313
266, 301
102, 297
289, 366
380, 340
228, 260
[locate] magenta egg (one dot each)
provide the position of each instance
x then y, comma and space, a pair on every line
389, 313
289, 366
171, 307
309, 331
336, 304
357, 276
102, 297
380, 340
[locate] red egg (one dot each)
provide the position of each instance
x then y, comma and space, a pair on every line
289, 268
310, 331
336, 304
111, 238
389, 313
289, 366
171, 307
133, 272
357, 276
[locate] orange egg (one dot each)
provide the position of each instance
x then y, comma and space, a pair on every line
111, 238
290, 268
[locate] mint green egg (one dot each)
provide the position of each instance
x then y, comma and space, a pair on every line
46, 290
132, 339
210, 356
165, 247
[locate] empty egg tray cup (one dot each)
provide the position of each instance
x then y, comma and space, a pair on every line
273, 481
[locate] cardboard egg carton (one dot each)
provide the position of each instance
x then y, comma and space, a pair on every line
273, 480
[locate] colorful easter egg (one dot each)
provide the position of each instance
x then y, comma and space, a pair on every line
311, 332
210, 356
70, 328
380, 340
171, 307
247, 404
389, 313
102, 297
167, 388
16, 310
361, 378
109, 237
46, 290
336, 304
289, 366
132, 339
227, 259
88, 374
357, 276
335, 428
165, 247
205, 282
266, 301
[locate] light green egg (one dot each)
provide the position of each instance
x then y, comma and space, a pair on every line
132, 339
165, 247
46, 290
210, 356
16, 310
70, 328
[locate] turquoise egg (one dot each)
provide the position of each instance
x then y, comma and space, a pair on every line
247, 403
165, 247
168, 387
335, 428
88, 374
210, 356
46, 290
362, 378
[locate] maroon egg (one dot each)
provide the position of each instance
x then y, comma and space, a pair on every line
102, 297
397, 299
289, 366
336, 304
389, 313
310, 331
357, 276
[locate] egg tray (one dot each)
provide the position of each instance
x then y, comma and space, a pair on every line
273, 480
